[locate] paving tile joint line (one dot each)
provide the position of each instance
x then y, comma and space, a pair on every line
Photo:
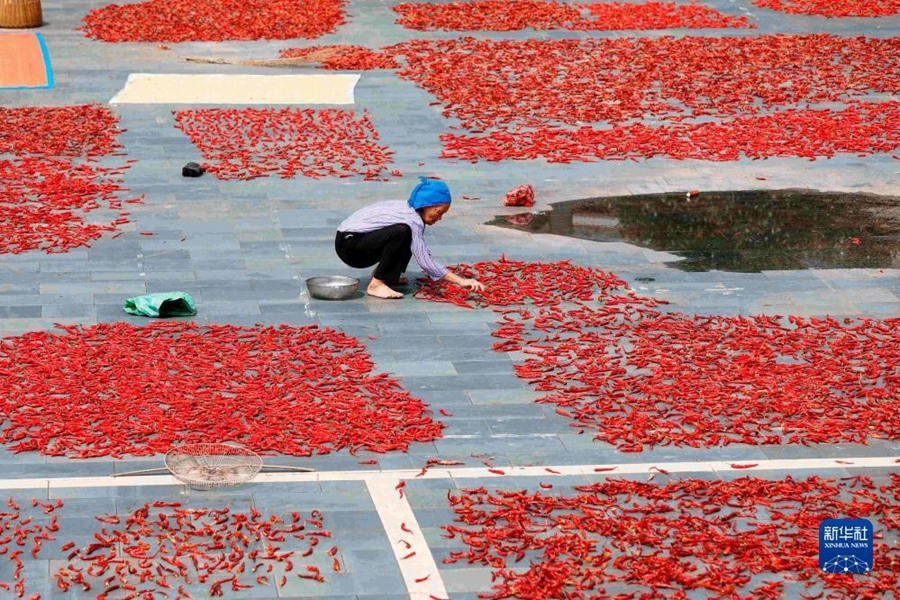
417, 564
394, 476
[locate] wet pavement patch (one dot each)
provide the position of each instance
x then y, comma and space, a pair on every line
741, 231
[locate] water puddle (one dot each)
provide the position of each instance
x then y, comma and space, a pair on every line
746, 232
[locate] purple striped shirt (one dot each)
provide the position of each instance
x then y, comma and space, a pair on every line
391, 212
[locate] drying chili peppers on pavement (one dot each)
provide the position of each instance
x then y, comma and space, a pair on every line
638, 376
24, 528
53, 179
248, 143
741, 538
164, 549
862, 129
487, 15
773, 96
657, 15
683, 384
88, 131
116, 389
213, 20
500, 15
832, 8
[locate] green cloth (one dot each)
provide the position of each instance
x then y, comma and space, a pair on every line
165, 304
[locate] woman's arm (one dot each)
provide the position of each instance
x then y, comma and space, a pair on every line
433, 268
469, 284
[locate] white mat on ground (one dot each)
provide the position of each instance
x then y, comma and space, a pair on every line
150, 88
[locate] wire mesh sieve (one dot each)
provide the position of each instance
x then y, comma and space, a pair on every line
212, 466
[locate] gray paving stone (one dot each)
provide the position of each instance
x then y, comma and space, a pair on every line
20, 312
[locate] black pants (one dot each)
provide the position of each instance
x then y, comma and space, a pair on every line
389, 248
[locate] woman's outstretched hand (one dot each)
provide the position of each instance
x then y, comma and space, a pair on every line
472, 284
468, 284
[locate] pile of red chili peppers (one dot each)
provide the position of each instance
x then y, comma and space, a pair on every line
248, 143
713, 98
345, 57
511, 15
83, 131
164, 546
116, 389
21, 532
53, 179
729, 539
656, 15
862, 129
513, 85
831, 8
635, 375
213, 20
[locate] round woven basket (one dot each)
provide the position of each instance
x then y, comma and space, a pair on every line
20, 14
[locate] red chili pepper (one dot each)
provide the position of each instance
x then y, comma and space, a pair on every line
652, 529
860, 8
626, 399
24, 529
163, 534
751, 103
48, 186
172, 21
503, 15
239, 143
329, 374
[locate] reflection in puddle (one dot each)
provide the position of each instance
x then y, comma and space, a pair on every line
748, 231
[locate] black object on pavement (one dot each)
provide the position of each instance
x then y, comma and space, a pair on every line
192, 169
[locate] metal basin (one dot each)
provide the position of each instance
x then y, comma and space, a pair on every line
332, 288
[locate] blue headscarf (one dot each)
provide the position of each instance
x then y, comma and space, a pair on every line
429, 192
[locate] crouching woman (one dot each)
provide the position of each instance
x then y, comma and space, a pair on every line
387, 234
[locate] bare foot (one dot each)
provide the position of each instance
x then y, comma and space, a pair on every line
402, 280
379, 289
